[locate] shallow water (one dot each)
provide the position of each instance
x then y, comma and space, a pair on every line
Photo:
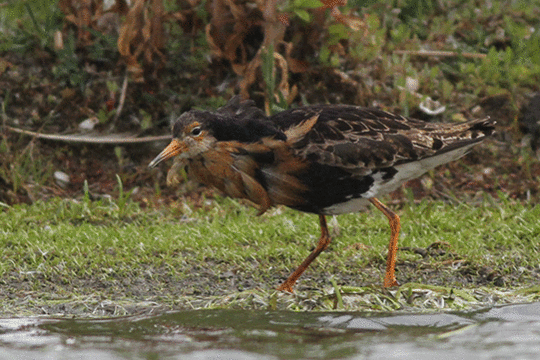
506, 332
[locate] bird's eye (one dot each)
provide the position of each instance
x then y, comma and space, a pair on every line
196, 131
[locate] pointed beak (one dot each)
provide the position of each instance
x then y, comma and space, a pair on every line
174, 148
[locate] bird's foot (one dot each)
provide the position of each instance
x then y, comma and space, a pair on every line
390, 282
286, 287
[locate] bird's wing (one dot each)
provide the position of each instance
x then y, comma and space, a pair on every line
361, 139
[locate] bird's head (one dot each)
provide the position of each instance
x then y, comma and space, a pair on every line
192, 136
196, 131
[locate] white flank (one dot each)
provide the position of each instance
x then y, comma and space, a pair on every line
405, 172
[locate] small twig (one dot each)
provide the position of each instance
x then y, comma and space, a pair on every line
114, 139
440, 53
122, 99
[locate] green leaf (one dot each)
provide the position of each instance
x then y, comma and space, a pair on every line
338, 29
303, 14
324, 54
268, 69
307, 4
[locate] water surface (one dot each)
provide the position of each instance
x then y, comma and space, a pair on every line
507, 332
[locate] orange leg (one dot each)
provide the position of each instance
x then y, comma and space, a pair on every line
393, 219
324, 241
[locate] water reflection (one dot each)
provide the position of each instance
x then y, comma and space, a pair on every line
500, 332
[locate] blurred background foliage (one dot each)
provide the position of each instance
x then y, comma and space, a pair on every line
124, 65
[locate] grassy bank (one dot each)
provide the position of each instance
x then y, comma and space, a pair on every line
65, 254
110, 257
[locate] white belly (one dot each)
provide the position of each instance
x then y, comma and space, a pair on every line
353, 205
405, 172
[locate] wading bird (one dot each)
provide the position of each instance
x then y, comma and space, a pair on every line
320, 159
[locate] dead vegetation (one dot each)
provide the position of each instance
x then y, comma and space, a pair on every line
117, 67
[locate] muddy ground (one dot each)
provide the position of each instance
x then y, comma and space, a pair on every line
503, 166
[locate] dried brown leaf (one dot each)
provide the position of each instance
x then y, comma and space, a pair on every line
297, 66
283, 85
4, 65
72, 18
234, 42
333, 3
237, 11
353, 22
239, 69
216, 50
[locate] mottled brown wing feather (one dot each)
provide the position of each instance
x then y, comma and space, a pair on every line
359, 138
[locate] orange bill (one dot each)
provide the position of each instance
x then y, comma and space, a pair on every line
174, 148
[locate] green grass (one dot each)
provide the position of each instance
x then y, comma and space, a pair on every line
27, 24
224, 256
